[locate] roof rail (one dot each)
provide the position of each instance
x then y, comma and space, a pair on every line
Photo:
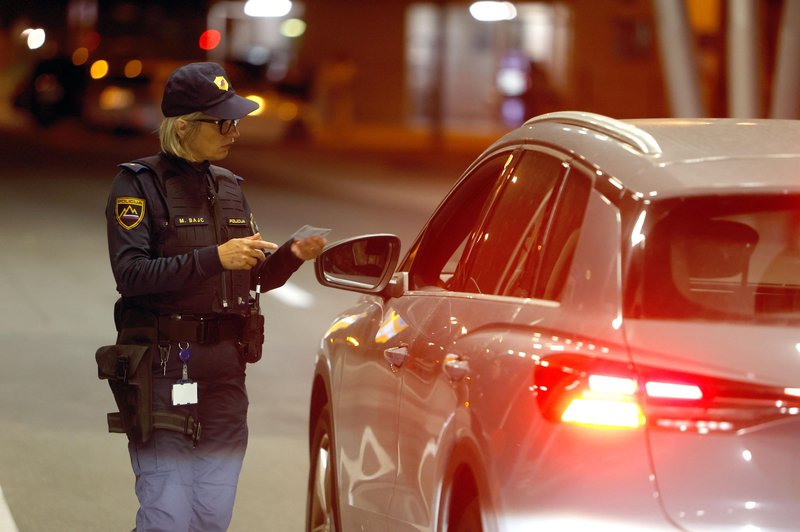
617, 129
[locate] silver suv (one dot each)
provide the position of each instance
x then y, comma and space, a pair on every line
596, 330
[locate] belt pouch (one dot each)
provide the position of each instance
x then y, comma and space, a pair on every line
252, 338
128, 371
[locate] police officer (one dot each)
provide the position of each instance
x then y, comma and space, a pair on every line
186, 253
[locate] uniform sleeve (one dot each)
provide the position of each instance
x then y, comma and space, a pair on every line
132, 250
276, 270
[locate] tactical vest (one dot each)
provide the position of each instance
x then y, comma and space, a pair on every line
197, 216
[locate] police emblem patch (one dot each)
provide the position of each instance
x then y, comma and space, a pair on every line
221, 83
129, 212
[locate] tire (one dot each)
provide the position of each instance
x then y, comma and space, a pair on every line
321, 506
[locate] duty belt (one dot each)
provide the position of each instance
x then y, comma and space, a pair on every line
200, 329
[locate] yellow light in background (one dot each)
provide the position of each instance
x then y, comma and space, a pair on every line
287, 111
80, 56
99, 69
262, 104
293, 27
115, 98
133, 68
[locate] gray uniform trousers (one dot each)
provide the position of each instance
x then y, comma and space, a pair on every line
181, 487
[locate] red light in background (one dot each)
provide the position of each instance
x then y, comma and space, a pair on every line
209, 39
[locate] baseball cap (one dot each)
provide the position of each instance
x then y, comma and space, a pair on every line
203, 87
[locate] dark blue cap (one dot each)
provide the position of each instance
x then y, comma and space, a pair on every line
203, 87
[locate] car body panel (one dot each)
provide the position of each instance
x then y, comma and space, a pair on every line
462, 368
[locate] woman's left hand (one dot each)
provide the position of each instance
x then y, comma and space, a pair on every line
308, 248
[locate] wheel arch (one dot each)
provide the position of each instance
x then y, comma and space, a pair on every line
465, 472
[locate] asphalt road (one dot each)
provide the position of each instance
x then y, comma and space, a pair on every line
59, 469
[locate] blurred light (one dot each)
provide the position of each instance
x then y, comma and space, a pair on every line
492, 11
670, 390
512, 81
35, 37
80, 56
47, 84
209, 39
293, 27
92, 40
133, 68
258, 55
287, 111
603, 412
262, 104
115, 98
616, 385
267, 8
99, 69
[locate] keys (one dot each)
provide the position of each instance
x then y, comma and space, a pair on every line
164, 354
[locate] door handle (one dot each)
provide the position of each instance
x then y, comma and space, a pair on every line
455, 367
396, 356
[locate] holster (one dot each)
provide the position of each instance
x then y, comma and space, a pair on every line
127, 366
129, 374
252, 340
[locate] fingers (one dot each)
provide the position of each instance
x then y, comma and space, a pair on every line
244, 253
308, 248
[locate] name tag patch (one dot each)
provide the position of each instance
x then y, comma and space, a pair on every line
237, 221
129, 212
190, 220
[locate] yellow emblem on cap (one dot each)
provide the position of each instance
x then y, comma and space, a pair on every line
221, 83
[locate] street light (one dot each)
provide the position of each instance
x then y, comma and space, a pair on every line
267, 8
485, 11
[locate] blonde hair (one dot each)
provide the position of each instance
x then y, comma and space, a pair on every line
168, 136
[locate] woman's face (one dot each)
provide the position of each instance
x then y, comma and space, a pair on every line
205, 142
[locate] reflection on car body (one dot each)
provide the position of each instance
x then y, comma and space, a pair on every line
596, 330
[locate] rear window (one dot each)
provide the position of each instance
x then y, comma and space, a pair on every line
719, 258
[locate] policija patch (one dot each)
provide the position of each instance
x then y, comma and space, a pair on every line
129, 212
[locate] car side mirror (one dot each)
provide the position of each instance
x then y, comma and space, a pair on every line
362, 264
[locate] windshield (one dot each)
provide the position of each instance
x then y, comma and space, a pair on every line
719, 258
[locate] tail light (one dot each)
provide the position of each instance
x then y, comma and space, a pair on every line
595, 392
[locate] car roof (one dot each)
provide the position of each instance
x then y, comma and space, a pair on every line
674, 156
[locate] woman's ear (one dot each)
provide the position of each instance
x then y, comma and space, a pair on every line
181, 126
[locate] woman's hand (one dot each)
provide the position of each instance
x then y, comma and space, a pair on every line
308, 248
244, 253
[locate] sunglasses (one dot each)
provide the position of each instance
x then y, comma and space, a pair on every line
225, 126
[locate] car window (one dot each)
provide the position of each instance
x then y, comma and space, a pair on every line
562, 237
509, 240
723, 259
433, 259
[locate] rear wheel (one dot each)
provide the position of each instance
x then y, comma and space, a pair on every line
321, 502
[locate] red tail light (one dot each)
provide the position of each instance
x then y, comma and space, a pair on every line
596, 392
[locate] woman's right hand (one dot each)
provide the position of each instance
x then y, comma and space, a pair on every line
244, 253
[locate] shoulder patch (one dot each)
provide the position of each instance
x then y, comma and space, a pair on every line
129, 212
134, 167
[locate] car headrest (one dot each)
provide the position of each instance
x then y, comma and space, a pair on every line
714, 248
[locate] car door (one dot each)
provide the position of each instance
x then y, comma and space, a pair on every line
433, 388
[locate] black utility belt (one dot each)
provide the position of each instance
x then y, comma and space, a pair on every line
199, 329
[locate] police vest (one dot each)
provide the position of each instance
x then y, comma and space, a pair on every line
197, 216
